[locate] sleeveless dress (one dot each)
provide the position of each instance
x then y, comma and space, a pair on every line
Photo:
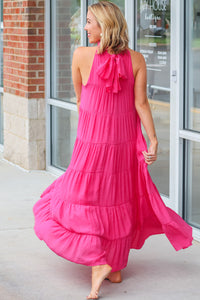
106, 203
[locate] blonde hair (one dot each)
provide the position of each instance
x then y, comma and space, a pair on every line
113, 25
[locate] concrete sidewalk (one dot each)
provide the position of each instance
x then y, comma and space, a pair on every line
29, 270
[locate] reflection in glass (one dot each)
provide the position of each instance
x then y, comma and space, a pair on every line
63, 134
192, 118
192, 183
65, 38
153, 41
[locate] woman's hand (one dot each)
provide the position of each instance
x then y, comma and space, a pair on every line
151, 155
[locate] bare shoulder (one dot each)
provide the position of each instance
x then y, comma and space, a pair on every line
83, 53
138, 61
137, 57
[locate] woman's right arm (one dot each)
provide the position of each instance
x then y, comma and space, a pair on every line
76, 76
143, 109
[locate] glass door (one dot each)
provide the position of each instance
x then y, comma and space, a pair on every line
153, 27
191, 132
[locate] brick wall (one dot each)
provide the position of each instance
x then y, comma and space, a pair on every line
24, 83
24, 48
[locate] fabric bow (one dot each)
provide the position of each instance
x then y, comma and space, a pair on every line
112, 70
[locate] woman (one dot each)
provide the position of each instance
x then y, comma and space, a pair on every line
106, 203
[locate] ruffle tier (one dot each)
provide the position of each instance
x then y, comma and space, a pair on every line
83, 233
106, 128
76, 220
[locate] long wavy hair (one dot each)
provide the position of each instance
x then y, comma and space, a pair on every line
114, 28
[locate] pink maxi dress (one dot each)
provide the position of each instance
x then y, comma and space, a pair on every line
106, 203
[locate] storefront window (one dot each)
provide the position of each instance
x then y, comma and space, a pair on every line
63, 134
65, 20
65, 37
153, 41
192, 183
192, 117
192, 113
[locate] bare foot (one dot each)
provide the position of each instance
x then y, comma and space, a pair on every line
115, 277
99, 273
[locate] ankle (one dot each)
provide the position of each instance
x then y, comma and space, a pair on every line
100, 267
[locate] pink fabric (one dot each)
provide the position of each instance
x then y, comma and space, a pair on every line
111, 71
106, 203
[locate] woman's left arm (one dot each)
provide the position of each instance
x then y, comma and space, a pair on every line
76, 76
144, 111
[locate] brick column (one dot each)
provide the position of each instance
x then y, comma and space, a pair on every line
24, 83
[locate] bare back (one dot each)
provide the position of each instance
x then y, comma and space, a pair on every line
85, 62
